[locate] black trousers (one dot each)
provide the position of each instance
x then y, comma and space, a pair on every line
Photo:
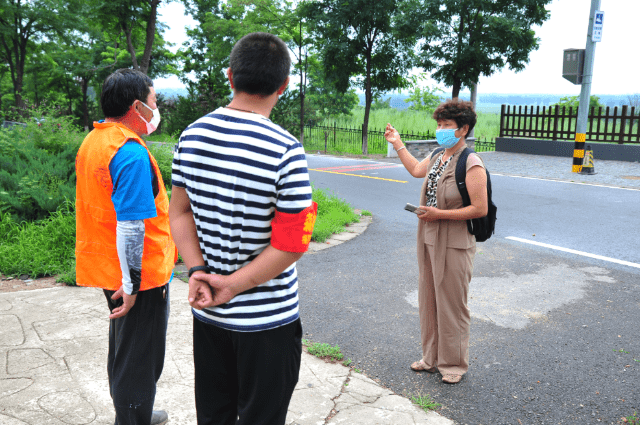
245, 378
137, 344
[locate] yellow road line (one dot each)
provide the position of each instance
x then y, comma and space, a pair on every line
357, 175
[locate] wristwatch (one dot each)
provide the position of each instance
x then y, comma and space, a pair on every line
194, 269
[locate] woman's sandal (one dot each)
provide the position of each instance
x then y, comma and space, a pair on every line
419, 366
451, 378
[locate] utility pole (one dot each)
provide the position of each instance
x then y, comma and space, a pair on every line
585, 92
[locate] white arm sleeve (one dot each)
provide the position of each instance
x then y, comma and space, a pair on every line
130, 245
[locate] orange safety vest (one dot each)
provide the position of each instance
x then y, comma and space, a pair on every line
97, 262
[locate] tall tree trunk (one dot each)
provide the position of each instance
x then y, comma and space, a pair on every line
17, 89
35, 89
84, 84
20, 52
151, 32
302, 86
457, 85
367, 105
130, 48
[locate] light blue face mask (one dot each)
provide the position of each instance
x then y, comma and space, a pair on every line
446, 137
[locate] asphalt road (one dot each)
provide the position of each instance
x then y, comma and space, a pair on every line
554, 335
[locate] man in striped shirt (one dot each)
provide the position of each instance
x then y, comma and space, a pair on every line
241, 215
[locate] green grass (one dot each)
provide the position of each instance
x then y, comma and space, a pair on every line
40, 248
323, 350
333, 214
46, 247
425, 402
409, 121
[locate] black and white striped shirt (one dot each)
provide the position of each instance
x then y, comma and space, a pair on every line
238, 168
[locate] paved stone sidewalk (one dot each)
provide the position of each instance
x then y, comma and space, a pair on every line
53, 353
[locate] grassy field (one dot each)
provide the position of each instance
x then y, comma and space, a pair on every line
405, 121
408, 121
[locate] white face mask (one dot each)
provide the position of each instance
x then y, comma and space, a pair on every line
155, 120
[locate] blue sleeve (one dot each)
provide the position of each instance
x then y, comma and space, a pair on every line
132, 177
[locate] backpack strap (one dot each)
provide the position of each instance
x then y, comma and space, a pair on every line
461, 175
436, 151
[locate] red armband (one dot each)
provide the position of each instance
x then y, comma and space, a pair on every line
292, 232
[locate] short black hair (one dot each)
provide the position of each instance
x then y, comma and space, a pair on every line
121, 89
260, 63
460, 111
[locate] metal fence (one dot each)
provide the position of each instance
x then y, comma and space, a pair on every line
485, 146
555, 123
349, 140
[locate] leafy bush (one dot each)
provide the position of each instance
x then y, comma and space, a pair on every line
333, 215
53, 134
178, 113
39, 248
574, 102
35, 181
163, 153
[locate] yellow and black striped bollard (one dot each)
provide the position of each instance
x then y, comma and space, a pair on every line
587, 163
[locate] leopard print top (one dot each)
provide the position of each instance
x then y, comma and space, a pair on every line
432, 180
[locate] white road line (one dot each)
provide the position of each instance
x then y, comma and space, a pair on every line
565, 181
573, 251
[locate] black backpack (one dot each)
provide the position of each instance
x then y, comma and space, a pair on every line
482, 227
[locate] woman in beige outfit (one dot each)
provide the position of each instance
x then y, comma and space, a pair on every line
445, 247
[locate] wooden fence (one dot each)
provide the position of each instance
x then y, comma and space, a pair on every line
349, 140
555, 123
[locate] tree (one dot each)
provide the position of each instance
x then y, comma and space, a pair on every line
376, 46
423, 99
221, 24
76, 65
323, 100
205, 54
574, 101
464, 39
634, 101
137, 22
22, 22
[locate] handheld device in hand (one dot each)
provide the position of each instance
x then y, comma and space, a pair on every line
412, 208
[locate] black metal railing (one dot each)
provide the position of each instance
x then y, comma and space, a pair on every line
349, 140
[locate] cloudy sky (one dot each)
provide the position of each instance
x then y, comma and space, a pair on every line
616, 66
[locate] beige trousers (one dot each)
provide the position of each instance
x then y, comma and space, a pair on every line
444, 314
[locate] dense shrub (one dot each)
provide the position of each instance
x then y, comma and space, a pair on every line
163, 153
178, 113
37, 171
39, 248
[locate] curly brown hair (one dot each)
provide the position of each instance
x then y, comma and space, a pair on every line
460, 111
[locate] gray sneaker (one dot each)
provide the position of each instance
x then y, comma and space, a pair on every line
159, 417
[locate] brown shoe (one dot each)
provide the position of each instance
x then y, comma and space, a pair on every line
451, 378
419, 366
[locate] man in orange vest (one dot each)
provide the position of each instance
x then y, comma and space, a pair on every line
123, 241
